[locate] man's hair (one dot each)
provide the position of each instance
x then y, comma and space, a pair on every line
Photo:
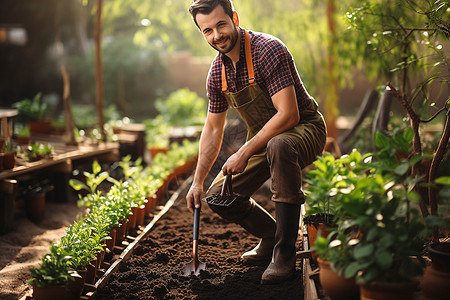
206, 6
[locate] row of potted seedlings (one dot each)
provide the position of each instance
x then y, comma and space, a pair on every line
75, 259
376, 244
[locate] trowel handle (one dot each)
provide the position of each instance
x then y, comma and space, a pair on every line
196, 222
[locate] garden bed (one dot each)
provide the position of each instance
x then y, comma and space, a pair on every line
155, 269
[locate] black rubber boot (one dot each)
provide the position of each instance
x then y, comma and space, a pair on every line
282, 266
261, 224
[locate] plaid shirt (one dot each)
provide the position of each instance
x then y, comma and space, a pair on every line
273, 66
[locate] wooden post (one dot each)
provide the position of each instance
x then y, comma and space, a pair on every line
7, 194
331, 101
99, 70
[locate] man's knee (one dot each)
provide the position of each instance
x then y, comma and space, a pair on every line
280, 145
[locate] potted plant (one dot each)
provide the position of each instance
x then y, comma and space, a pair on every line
334, 253
324, 192
23, 135
89, 188
387, 252
32, 111
157, 136
437, 275
50, 278
37, 151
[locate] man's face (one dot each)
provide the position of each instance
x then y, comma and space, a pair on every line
218, 29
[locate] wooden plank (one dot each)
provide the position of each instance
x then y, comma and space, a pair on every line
309, 286
107, 151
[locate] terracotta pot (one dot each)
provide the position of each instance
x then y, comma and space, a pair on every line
150, 205
140, 217
23, 140
120, 232
35, 207
440, 256
153, 151
435, 284
111, 242
44, 127
132, 218
75, 287
91, 273
9, 161
313, 230
49, 292
388, 290
335, 286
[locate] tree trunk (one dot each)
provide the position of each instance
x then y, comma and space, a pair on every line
331, 101
99, 70
69, 136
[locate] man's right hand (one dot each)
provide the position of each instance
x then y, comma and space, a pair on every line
194, 196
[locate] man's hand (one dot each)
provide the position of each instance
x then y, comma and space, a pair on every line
235, 164
194, 196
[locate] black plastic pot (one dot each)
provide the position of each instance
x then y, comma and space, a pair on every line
440, 256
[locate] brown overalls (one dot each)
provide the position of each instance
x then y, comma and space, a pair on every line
283, 157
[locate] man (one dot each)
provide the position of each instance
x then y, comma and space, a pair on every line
255, 74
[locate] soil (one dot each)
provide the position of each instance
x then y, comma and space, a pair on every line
156, 268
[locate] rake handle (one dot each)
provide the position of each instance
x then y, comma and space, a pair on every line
227, 186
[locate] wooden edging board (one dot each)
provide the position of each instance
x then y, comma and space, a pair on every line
309, 285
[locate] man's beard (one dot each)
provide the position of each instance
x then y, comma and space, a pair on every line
233, 41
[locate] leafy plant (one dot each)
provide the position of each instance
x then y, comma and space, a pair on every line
336, 248
404, 43
377, 202
182, 108
37, 151
326, 183
31, 109
82, 243
53, 271
93, 180
157, 132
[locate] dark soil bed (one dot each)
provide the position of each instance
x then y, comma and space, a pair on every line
155, 269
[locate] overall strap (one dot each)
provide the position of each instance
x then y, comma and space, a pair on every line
249, 62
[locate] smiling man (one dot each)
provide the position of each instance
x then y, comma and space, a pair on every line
254, 73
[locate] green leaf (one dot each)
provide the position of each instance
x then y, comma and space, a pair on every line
96, 167
363, 251
77, 185
408, 135
381, 141
351, 270
413, 197
402, 168
443, 180
384, 259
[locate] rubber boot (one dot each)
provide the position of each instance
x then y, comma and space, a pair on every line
282, 266
261, 224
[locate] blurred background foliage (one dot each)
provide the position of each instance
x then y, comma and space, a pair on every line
140, 35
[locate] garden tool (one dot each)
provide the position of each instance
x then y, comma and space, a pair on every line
226, 196
194, 266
